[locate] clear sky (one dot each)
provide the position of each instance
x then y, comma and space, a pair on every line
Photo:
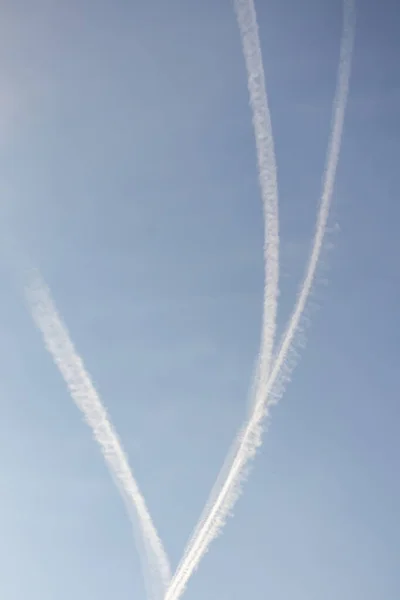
128, 175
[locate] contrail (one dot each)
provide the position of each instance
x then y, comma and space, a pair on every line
267, 175
250, 437
60, 346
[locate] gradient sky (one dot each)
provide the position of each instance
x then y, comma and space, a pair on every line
128, 175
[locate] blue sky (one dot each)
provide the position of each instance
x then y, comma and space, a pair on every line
128, 175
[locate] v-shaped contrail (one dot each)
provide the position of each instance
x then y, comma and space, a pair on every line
58, 342
228, 487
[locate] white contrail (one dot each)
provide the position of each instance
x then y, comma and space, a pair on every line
250, 437
339, 109
82, 390
267, 174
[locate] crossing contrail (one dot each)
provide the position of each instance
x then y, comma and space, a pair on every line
60, 346
228, 488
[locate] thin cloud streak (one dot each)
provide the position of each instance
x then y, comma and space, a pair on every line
339, 109
71, 367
